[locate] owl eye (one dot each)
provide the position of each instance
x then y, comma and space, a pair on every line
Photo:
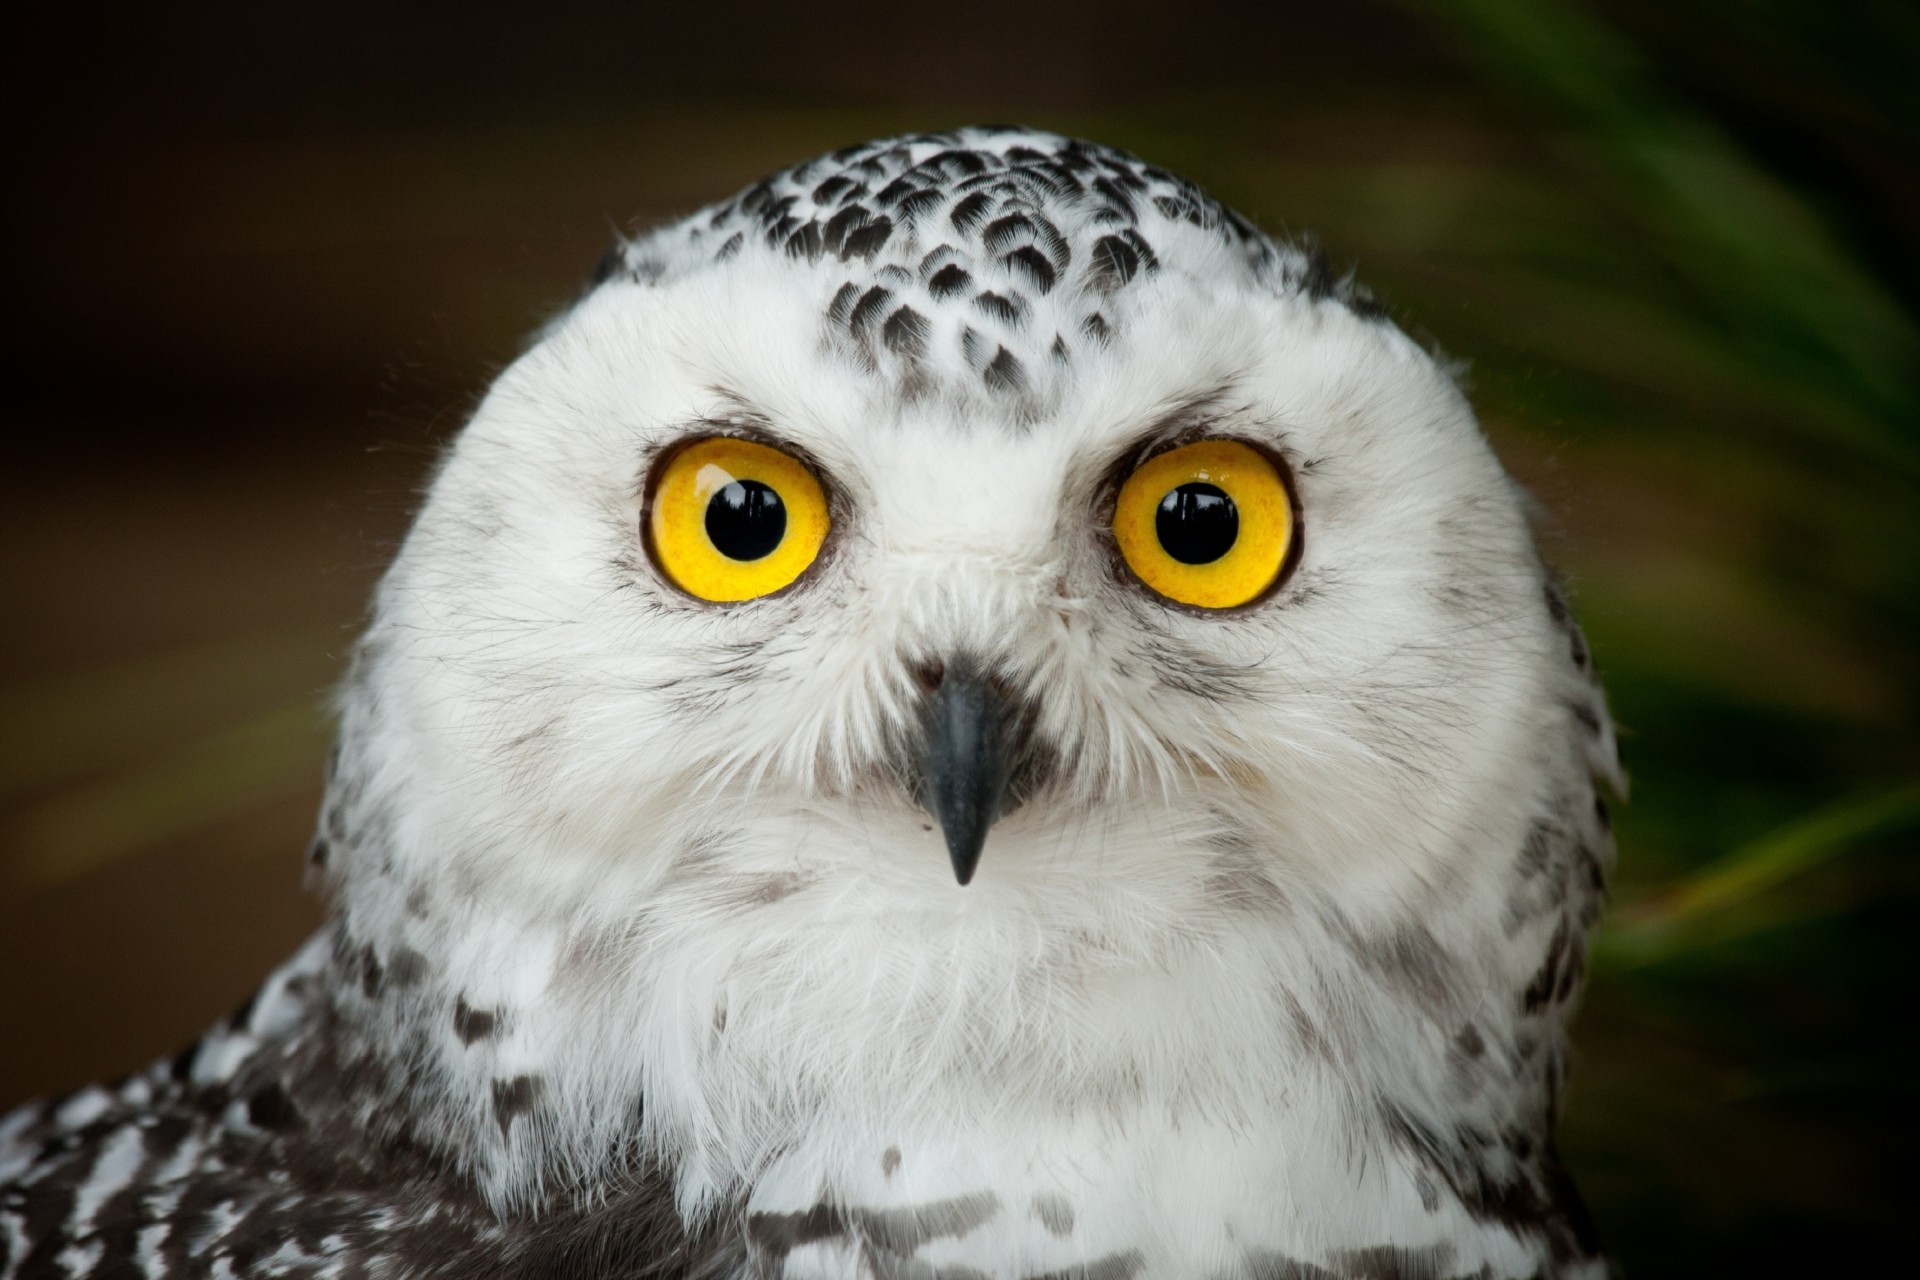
1209, 524
731, 519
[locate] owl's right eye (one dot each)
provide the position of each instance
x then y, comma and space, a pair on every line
728, 519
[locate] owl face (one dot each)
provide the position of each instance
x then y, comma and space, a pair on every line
937, 570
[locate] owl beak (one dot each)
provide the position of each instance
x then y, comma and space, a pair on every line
973, 735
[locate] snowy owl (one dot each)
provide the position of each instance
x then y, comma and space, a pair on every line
963, 713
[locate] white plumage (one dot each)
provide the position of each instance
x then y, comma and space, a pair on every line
648, 956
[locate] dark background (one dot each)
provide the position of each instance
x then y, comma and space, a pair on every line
260, 261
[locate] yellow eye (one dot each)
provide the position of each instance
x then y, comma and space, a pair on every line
1209, 524
730, 519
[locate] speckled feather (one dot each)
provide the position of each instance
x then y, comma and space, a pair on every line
645, 963
249, 1155
995, 253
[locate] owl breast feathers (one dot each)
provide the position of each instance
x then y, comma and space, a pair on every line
963, 713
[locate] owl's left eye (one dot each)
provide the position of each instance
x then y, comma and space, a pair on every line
730, 519
1210, 524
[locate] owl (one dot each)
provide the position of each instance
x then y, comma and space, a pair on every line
963, 713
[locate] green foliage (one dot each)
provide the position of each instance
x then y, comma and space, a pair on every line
1744, 1049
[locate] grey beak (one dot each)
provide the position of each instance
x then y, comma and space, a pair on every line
973, 735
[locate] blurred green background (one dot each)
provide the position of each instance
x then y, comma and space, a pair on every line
261, 261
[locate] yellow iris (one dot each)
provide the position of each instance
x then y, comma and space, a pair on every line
1209, 524
731, 519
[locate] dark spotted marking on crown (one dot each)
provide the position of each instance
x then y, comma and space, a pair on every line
970, 212
1004, 372
840, 308
949, 281
1034, 265
905, 332
1008, 308
806, 241
975, 215
1002, 232
868, 307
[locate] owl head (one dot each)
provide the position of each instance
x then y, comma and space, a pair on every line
990, 481
988, 546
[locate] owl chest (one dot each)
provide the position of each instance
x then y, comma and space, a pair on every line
1108, 1199
891, 1100
985, 1199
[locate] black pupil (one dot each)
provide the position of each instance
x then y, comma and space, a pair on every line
1197, 523
746, 520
